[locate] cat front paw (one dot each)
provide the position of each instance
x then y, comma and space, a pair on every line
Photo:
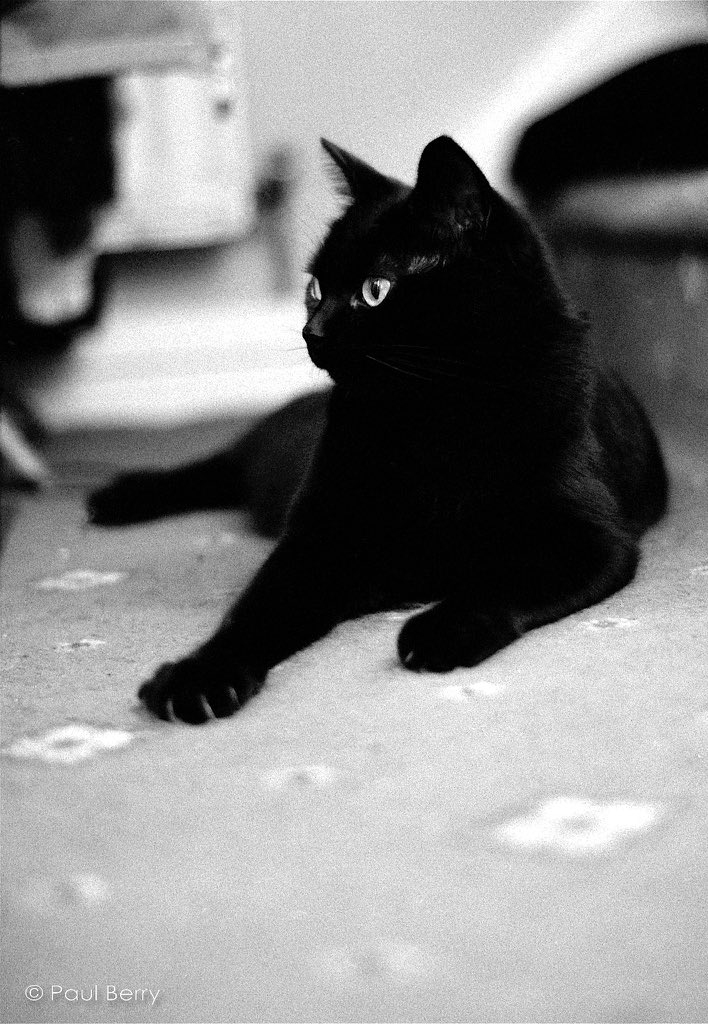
129, 498
197, 690
447, 636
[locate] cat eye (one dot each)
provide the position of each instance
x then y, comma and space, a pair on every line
374, 290
314, 290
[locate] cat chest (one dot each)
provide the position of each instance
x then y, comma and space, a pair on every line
431, 486
403, 502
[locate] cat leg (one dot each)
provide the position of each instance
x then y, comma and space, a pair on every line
150, 494
296, 598
584, 565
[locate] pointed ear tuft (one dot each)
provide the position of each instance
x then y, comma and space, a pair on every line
451, 188
357, 180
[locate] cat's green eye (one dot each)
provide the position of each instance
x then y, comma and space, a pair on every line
374, 290
314, 290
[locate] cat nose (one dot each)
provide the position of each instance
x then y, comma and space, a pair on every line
315, 346
314, 338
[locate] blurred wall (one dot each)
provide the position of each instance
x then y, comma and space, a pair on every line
381, 79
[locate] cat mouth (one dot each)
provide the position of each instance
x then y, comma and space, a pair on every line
326, 357
340, 361
319, 357
318, 350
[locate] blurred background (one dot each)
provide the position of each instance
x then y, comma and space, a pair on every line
165, 288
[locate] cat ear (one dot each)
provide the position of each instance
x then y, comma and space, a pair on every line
356, 179
451, 189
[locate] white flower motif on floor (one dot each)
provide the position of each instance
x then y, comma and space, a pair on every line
382, 958
204, 541
70, 743
467, 691
90, 888
576, 826
89, 643
81, 579
49, 895
610, 622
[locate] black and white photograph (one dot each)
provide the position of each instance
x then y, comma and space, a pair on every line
354, 536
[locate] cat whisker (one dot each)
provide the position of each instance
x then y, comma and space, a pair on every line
425, 355
398, 369
428, 353
436, 371
438, 368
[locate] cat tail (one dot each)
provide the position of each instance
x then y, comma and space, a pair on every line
260, 472
633, 462
138, 497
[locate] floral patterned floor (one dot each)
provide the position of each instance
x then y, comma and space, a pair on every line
521, 842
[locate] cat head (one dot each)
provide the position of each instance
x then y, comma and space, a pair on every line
424, 284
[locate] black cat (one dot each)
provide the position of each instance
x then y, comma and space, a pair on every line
469, 455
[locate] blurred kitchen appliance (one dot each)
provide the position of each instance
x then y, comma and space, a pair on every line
180, 140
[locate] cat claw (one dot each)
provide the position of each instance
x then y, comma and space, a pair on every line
190, 691
444, 638
207, 707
